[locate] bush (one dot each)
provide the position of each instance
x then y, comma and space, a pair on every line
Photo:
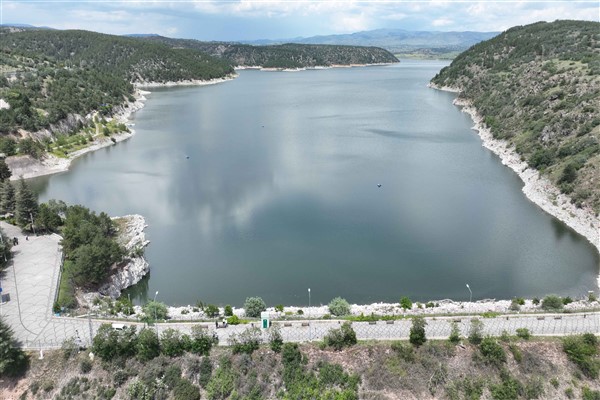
173, 343
508, 389
454, 337
404, 351
417, 332
592, 297
535, 301
246, 342
279, 308
405, 303
85, 365
253, 306
201, 341
492, 351
205, 371
275, 338
520, 301
523, 333
233, 320
185, 390
552, 303
211, 310
342, 337
155, 310
223, 382
339, 306
514, 305
476, 331
110, 344
148, 345
583, 350
567, 300
589, 394
228, 311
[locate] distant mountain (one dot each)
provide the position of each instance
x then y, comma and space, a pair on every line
284, 55
398, 41
537, 87
141, 35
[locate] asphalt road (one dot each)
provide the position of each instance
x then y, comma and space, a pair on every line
32, 280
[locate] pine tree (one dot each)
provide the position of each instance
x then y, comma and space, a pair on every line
13, 360
5, 173
26, 204
7, 197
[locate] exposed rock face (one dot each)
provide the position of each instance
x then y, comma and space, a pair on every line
134, 266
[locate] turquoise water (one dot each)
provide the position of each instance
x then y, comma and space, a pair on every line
280, 193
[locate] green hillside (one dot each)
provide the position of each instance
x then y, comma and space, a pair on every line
47, 75
538, 86
284, 55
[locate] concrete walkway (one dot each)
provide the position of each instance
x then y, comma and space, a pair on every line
31, 280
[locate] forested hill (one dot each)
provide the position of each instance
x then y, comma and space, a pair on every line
538, 86
46, 74
284, 55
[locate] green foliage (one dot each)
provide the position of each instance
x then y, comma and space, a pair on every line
552, 302
5, 172
275, 338
475, 331
417, 331
211, 310
554, 382
148, 345
471, 389
89, 244
201, 341
5, 251
223, 381
253, 306
567, 300
246, 342
339, 306
454, 337
589, 394
342, 337
592, 297
124, 305
173, 343
205, 372
13, 361
583, 351
26, 204
110, 344
155, 310
405, 303
47, 219
516, 352
228, 311
186, 390
8, 201
492, 351
508, 389
233, 320
85, 365
404, 351
279, 308
523, 333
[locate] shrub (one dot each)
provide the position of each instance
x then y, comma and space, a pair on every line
404, 351
13, 360
454, 337
172, 376
514, 305
492, 351
211, 310
583, 350
233, 320
516, 352
405, 303
185, 390
279, 308
253, 306
567, 300
228, 311
110, 344
223, 382
275, 338
589, 394
476, 331
173, 343
148, 345
417, 332
535, 301
155, 310
592, 297
205, 371
552, 303
508, 389
429, 304
246, 342
554, 382
85, 365
534, 388
569, 393
523, 333
520, 301
300, 312
339, 306
342, 337
201, 341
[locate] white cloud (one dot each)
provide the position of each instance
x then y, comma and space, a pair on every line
442, 22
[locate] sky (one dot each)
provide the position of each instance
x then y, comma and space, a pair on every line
283, 19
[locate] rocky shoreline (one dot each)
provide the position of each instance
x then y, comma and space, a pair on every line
134, 266
536, 187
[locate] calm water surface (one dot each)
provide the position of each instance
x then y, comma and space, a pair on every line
280, 194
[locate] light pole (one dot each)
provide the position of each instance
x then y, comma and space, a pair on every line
309, 314
471, 293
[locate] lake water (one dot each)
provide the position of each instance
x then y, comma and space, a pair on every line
280, 194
